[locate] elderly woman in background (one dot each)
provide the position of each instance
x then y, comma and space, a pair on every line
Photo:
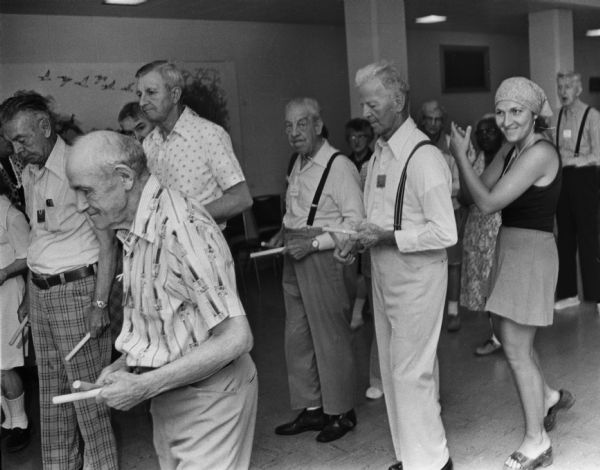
481, 231
524, 184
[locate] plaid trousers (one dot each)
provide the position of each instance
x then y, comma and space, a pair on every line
58, 324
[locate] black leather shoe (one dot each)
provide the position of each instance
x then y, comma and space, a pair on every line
398, 466
307, 420
337, 426
18, 439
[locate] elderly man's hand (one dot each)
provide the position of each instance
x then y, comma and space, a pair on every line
276, 240
367, 235
345, 249
96, 320
122, 390
298, 248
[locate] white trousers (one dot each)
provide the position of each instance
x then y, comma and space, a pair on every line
409, 291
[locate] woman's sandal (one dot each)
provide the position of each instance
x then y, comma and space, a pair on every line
565, 401
525, 463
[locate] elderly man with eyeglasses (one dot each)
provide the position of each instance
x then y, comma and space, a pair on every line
323, 190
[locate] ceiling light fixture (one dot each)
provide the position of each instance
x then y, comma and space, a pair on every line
429, 19
593, 33
124, 2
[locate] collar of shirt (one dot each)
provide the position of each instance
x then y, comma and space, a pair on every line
323, 154
55, 162
146, 211
183, 127
577, 107
399, 139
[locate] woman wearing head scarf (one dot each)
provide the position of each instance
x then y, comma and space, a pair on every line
524, 184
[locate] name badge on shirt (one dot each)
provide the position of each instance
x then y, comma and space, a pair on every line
49, 203
566, 133
381, 181
41, 216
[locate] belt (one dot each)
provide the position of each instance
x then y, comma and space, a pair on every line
46, 282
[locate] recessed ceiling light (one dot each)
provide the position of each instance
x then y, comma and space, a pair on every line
593, 33
124, 2
429, 19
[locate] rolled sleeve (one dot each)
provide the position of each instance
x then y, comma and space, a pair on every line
439, 229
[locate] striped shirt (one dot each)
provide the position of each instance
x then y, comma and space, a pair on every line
178, 278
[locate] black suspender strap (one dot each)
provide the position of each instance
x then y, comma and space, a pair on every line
560, 114
290, 167
317, 197
580, 135
402, 185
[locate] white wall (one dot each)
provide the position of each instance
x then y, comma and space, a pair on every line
273, 62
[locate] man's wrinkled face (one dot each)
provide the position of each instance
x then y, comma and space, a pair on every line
157, 100
30, 135
569, 90
380, 108
302, 129
138, 127
432, 122
100, 195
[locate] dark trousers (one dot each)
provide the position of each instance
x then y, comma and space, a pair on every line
577, 220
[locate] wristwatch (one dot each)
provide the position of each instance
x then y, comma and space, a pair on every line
315, 244
101, 304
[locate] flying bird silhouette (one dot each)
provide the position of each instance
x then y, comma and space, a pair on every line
64, 79
45, 77
109, 86
99, 78
83, 82
129, 87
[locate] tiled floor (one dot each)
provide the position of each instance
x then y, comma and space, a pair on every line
481, 411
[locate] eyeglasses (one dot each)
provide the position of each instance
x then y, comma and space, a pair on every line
355, 137
301, 125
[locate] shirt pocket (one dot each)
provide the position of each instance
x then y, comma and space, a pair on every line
62, 218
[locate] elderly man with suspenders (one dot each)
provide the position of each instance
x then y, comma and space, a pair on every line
408, 227
323, 190
577, 138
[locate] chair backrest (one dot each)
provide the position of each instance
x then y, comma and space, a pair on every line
268, 211
241, 228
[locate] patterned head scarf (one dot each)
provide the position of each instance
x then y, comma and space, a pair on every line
525, 92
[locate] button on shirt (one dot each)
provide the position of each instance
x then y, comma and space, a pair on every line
196, 158
341, 202
428, 217
61, 238
178, 278
589, 150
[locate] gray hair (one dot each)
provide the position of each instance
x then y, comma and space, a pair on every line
311, 104
167, 70
570, 75
387, 73
111, 149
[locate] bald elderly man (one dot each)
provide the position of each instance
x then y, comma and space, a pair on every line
185, 338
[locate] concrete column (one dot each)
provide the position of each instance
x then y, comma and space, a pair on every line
375, 30
550, 48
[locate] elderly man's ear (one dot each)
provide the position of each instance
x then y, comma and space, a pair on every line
126, 174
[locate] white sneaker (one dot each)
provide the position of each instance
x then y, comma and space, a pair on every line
566, 303
373, 393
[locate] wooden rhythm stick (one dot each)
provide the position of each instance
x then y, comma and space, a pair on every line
18, 331
344, 231
83, 386
78, 346
272, 251
71, 397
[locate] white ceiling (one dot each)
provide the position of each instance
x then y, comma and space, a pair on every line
494, 16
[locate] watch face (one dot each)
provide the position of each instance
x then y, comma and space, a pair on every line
315, 243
